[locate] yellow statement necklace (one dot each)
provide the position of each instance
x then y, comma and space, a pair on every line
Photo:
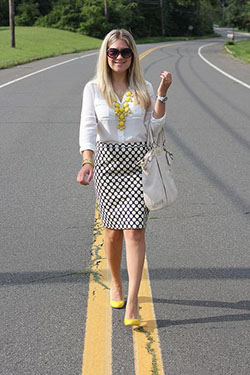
123, 110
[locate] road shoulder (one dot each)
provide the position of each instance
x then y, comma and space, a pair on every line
216, 54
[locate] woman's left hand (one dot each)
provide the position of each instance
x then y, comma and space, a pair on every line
166, 80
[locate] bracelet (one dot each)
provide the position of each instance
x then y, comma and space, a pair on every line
88, 161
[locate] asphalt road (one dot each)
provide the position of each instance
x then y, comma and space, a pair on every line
197, 250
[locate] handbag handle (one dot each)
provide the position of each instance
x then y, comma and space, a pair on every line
161, 139
161, 142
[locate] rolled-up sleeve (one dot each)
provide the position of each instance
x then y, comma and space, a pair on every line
156, 124
88, 123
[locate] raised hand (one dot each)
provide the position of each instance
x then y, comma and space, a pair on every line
166, 80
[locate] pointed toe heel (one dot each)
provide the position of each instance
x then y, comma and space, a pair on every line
117, 304
131, 322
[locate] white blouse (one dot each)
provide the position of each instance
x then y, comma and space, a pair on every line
99, 121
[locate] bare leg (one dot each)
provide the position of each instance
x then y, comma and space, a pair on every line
135, 252
113, 240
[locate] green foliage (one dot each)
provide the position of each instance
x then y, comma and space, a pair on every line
27, 12
126, 14
189, 17
151, 13
93, 21
43, 6
208, 14
65, 15
121, 14
246, 16
4, 12
181, 17
141, 17
237, 14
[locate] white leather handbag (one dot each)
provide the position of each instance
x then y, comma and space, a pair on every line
159, 188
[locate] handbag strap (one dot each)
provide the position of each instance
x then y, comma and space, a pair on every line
161, 139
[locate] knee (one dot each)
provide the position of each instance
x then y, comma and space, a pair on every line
134, 235
113, 235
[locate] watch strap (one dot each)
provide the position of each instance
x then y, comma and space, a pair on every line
162, 99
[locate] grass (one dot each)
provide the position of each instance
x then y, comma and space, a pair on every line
34, 43
240, 49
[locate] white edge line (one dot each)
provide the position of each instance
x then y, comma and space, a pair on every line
219, 70
42, 70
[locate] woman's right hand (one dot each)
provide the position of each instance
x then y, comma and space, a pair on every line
85, 174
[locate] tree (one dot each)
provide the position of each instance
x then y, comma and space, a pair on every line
237, 14
185, 17
66, 15
122, 14
142, 17
27, 13
4, 12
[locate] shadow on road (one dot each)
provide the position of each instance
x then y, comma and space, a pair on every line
22, 278
209, 319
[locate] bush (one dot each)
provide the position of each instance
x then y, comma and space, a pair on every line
121, 14
27, 13
66, 17
94, 22
237, 14
142, 18
207, 16
4, 12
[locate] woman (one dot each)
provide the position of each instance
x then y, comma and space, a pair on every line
117, 107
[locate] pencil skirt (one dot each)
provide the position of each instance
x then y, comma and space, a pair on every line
118, 185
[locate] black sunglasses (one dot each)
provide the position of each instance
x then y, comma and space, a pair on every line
113, 53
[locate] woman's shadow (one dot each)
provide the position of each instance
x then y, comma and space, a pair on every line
240, 305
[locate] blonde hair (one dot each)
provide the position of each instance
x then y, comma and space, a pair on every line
135, 78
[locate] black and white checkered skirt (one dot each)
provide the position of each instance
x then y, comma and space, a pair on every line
118, 185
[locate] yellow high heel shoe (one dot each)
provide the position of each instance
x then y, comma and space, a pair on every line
117, 304
132, 322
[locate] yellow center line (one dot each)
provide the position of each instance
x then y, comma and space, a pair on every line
147, 350
97, 353
148, 51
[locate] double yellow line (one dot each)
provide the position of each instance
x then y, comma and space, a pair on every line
97, 355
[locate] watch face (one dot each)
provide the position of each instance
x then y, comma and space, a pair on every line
162, 99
